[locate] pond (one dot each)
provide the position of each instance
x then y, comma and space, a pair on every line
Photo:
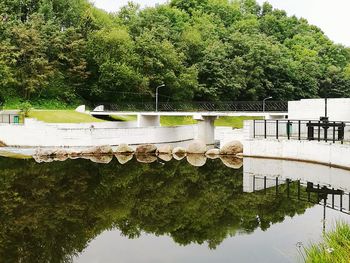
80, 211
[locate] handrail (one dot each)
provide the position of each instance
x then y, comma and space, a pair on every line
233, 106
330, 131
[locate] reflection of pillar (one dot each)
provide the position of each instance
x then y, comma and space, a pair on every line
148, 120
206, 128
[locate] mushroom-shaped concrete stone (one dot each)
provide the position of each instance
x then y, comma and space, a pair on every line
232, 148
146, 149
196, 147
213, 154
165, 149
98, 150
179, 153
124, 149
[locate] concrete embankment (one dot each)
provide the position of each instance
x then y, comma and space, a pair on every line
39, 134
330, 154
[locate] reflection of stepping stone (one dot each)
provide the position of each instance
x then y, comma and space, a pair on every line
197, 160
232, 162
124, 158
165, 157
146, 158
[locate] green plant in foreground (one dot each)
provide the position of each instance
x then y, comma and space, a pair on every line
25, 108
334, 248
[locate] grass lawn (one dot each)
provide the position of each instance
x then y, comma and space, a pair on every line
71, 116
235, 122
334, 248
62, 116
176, 120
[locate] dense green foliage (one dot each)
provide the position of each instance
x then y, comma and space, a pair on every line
51, 211
71, 51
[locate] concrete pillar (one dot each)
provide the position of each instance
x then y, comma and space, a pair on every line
206, 128
148, 120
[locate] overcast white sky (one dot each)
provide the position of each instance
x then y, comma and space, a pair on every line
332, 16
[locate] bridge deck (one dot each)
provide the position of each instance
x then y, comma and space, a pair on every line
211, 113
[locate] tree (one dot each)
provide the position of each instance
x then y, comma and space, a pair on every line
33, 69
161, 63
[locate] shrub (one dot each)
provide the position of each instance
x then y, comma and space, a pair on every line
25, 108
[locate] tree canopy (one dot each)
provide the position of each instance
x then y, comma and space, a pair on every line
212, 50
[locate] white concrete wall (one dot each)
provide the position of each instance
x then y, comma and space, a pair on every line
312, 109
322, 152
35, 133
148, 120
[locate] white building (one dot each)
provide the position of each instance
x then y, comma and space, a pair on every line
313, 109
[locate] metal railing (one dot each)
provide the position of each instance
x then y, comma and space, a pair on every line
311, 130
235, 106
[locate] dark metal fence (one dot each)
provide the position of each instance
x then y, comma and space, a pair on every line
311, 130
245, 106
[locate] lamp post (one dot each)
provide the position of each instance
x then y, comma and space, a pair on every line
161, 86
265, 101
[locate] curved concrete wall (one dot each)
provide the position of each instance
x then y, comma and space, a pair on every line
35, 133
336, 155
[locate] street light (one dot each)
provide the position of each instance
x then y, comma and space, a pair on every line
265, 101
161, 86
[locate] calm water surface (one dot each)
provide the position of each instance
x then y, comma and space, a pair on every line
80, 211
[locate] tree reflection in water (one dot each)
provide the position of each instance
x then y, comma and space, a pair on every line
50, 212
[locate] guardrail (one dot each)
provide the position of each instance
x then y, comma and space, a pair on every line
311, 130
235, 106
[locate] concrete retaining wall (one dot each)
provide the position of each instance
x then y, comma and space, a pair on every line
35, 133
318, 152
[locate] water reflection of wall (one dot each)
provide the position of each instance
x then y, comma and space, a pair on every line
260, 174
305, 172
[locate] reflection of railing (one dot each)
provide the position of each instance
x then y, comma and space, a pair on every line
332, 131
332, 198
245, 106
